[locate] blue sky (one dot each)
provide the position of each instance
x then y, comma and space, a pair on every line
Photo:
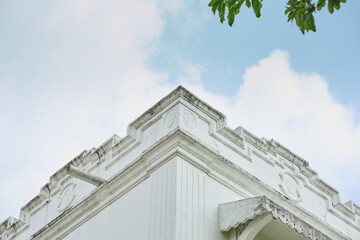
74, 72
333, 51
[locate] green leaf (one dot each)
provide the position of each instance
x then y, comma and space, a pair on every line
231, 16
292, 2
214, 4
320, 4
222, 12
287, 10
337, 5
256, 7
238, 6
299, 10
310, 23
331, 6
291, 16
214, 8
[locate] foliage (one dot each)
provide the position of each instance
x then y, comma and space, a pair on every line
299, 10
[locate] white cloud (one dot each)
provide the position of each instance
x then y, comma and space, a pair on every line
297, 110
74, 78
192, 74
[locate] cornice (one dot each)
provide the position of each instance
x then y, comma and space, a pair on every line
183, 93
234, 139
176, 143
273, 147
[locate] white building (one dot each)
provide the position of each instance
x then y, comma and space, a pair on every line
181, 173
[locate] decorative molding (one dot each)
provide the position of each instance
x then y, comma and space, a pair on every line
248, 151
235, 214
265, 159
151, 136
231, 147
170, 118
10, 226
115, 140
118, 147
120, 154
290, 186
318, 185
66, 197
138, 170
188, 119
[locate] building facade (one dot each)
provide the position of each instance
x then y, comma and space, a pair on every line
181, 173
